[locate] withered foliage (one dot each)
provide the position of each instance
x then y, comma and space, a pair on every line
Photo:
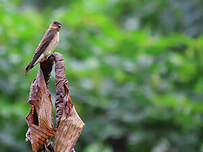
69, 125
40, 118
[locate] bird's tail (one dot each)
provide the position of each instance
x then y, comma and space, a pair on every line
30, 66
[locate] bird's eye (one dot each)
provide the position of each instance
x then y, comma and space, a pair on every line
59, 25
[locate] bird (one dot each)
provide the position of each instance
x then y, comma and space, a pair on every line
46, 45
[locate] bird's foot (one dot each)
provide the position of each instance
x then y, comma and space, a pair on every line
43, 60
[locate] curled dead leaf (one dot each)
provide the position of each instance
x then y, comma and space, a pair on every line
40, 122
40, 119
62, 91
46, 67
68, 131
67, 120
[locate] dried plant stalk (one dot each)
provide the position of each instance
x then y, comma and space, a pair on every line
46, 67
68, 131
67, 120
42, 128
40, 119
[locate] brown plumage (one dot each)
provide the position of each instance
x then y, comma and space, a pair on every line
46, 46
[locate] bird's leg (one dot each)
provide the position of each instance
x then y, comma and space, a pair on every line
43, 60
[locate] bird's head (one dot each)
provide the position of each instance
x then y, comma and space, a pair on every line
56, 25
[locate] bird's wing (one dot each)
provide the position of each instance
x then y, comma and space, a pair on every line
48, 36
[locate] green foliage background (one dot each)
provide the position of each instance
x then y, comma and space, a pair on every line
134, 68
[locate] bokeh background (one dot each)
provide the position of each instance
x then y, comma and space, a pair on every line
134, 68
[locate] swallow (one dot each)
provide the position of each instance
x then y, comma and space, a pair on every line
46, 45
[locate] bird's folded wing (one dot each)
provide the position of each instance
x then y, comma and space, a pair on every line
47, 38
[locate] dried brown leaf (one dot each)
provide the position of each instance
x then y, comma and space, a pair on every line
40, 119
68, 131
46, 67
60, 86
40, 100
67, 120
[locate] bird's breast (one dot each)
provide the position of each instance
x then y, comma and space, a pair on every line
52, 45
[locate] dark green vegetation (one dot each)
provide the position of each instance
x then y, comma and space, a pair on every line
135, 70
